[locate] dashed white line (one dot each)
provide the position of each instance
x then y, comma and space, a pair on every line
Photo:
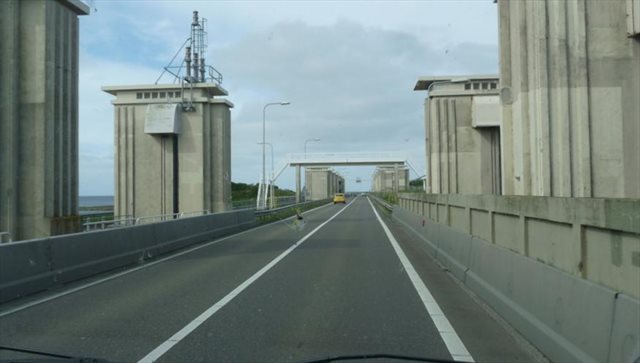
195, 323
451, 339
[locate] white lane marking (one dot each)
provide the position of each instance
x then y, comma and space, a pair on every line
184, 332
451, 339
111, 277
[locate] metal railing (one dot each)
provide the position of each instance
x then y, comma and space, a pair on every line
131, 221
350, 156
380, 201
211, 74
269, 215
168, 217
282, 204
108, 223
278, 202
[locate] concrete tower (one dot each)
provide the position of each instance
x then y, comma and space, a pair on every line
391, 179
172, 149
570, 86
39, 117
173, 141
322, 183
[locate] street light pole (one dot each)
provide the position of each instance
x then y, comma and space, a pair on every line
264, 116
305, 145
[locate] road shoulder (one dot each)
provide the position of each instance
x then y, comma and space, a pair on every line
485, 334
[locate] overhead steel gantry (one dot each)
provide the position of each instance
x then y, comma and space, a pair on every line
343, 159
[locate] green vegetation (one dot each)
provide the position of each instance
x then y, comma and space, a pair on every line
416, 183
389, 197
242, 191
106, 216
100, 208
98, 213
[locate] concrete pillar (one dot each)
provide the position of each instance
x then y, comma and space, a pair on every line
221, 155
39, 117
396, 178
298, 182
318, 182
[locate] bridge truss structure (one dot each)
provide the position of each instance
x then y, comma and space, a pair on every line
299, 160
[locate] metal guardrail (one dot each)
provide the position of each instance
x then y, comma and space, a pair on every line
108, 223
288, 201
269, 215
379, 200
251, 203
168, 217
350, 155
291, 206
130, 221
243, 204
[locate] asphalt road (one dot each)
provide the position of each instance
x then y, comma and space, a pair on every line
273, 294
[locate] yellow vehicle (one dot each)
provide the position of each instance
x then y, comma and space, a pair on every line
339, 198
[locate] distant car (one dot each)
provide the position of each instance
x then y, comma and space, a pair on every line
339, 198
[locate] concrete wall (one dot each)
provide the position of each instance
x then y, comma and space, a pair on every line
31, 266
144, 163
39, 117
570, 89
565, 272
316, 183
462, 141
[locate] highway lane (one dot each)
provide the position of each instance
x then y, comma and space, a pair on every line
342, 291
124, 318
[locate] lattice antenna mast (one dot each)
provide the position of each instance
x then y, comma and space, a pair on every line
194, 64
197, 50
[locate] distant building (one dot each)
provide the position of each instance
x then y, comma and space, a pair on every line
390, 179
39, 117
570, 94
322, 183
462, 128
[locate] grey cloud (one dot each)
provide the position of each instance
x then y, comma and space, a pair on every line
350, 85
96, 169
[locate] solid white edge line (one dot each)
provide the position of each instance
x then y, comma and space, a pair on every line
160, 350
451, 339
128, 271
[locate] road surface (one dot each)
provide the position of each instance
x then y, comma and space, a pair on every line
349, 282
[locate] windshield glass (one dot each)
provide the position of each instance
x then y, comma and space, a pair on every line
313, 181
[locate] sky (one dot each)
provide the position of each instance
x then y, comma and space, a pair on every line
347, 67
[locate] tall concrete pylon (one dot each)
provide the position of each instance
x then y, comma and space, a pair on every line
173, 141
170, 158
39, 117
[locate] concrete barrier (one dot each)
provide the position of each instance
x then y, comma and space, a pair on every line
25, 268
569, 318
30, 266
80, 255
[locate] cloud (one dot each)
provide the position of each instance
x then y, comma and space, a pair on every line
350, 81
348, 84
96, 118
